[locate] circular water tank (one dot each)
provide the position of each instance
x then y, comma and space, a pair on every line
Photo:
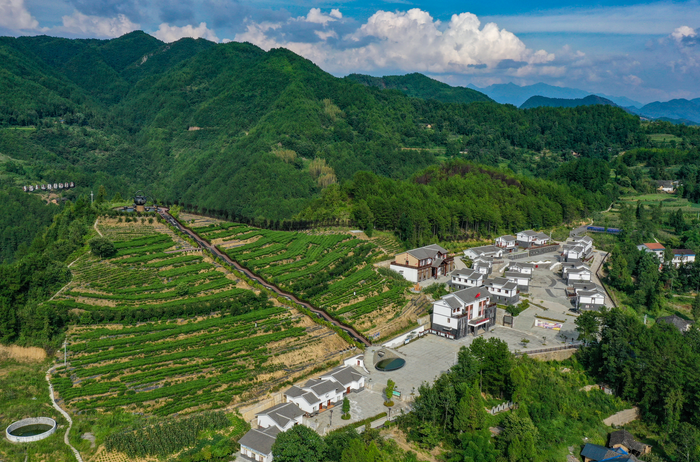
31, 429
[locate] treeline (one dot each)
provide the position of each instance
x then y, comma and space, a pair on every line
657, 369
454, 199
22, 217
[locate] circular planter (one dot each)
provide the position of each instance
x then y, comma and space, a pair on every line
30, 430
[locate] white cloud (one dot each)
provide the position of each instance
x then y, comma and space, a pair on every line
98, 26
409, 41
15, 16
632, 80
315, 16
168, 33
682, 32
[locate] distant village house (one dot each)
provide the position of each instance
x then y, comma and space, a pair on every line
428, 262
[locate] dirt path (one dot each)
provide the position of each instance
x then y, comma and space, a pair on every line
95, 226
63, 413
214, 251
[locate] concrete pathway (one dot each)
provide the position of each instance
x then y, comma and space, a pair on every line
95, 226
64, 413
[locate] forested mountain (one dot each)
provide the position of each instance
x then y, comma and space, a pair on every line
541, 101
256, 134
420, 86
510, 93
674, 109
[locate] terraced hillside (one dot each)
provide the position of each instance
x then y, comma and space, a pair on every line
190, 334
333, 271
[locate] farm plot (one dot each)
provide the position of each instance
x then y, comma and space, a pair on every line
144, 274
163, 368
333, 271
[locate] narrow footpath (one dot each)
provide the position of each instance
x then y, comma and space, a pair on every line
64, 413
217, 253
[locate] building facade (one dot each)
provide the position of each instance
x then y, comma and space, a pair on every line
429, 262
462, 313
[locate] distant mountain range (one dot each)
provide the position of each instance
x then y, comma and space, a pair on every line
539, 101
510, 93
674, 109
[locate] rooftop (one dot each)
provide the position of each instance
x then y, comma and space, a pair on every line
428, 251
654, 246
260, 440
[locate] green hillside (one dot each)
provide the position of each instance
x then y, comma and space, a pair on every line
420, 86
253, 134
542, 101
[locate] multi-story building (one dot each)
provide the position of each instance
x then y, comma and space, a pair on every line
506, 242
682, 257
465, 278
428, 262
462, 313
503, 291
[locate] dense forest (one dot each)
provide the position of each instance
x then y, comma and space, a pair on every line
232, 128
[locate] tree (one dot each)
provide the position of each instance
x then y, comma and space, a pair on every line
389, 393
696, 308
101, 194
346, 408
475, 447
102, 247
299, 444
686, 439
495, 362
518, 438
117, 197
363, 216
470, 414
587, 326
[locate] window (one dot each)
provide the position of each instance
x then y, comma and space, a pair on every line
448, 320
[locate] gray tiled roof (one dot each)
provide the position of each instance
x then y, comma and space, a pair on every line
281, 414
529, 232
675, 320
579, 270
324, 387
469, 295
428, 251
507, 237
484, 249
294, 392
259, 441
344, 375
453, 302
466, 272
517, 274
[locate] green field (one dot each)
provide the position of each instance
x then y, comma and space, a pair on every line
173, 367
329, 270
664, 138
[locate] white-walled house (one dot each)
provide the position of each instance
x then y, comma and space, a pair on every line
592, 299
529, 238
461, 313
283, 416
465, 278
503, 291
578, 248
578, 275
506, 242
521, 279
430, 261
347, 377
682, 257
484, 251
521, 267
483, 265
257, 443
315, 395
655, 248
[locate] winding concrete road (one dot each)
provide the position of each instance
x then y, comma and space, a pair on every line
292, 298
64, 413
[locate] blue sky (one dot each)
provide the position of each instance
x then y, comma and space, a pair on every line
645, 51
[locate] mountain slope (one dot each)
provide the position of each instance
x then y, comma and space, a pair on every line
674, 109
233, 129
420, 86
541, 101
